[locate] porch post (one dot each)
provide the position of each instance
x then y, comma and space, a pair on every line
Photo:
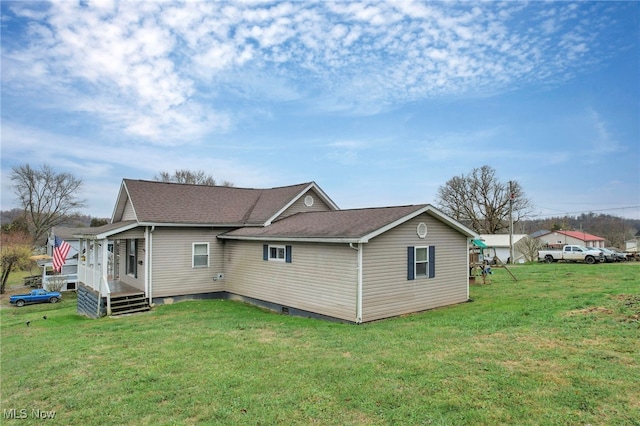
96, 264
82, 267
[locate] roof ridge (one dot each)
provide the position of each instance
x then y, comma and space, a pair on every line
215, 186
417, 206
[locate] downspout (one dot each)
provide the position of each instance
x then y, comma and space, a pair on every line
148, 254
359, 287
469, 243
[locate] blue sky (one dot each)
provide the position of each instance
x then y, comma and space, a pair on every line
380, 103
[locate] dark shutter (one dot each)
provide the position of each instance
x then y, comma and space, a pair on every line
265, 252
411, 263
287, 254
432, 261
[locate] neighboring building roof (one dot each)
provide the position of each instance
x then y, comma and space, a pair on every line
104, 231
580, 235
500, 240
354, 225
173, 203
64, 232
539, 233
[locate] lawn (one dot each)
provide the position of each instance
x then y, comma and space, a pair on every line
559, 346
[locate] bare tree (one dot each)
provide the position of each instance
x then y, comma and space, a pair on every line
198, 177
46, 197
482, 202
529, 248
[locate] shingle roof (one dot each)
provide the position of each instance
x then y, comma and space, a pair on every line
104, 230
64, 232
539, 233
339, 224
161, 202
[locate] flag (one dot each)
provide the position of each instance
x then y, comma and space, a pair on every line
60, 250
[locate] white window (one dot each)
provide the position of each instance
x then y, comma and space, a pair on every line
277, 253
422, 261
132, 258
200, 255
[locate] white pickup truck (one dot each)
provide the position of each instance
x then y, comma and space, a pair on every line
572, 253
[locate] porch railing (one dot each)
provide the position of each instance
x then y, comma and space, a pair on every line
95, 279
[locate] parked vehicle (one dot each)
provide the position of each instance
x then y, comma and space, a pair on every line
620, 256
609, 256
572, 253
36, 296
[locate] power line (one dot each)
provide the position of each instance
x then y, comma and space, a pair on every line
581, 211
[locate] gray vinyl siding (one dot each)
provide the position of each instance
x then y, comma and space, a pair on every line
173, 274
386, 290
128, 213
321, 278
299, 206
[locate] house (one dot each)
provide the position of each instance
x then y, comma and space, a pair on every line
498, 246
631, 246
557, 239
289, 249
69, 272
68, 235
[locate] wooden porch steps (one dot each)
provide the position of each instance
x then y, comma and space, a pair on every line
129, 304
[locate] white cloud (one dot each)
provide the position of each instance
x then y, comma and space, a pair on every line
142, 67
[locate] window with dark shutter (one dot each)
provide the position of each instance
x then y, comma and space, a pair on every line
276, 253
421, 262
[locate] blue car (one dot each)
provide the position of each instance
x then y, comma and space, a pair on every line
36, 296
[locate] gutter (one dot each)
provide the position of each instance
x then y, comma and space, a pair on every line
339, 240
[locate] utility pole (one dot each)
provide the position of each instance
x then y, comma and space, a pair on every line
511, 197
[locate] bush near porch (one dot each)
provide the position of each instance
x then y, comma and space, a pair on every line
559, 346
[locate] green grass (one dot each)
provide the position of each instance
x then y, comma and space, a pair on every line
559, 346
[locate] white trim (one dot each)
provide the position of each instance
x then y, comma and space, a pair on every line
107, 234
426, 209
193, 254
469, 243
359, 292
148, 259
313, 186
127, 254
278, 247
266, 238
415, 262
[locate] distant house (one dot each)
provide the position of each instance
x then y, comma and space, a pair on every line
557, 239
631, 246
498, 245
68, 235
70, 268
289, 249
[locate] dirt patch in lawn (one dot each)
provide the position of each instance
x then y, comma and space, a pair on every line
625, 306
